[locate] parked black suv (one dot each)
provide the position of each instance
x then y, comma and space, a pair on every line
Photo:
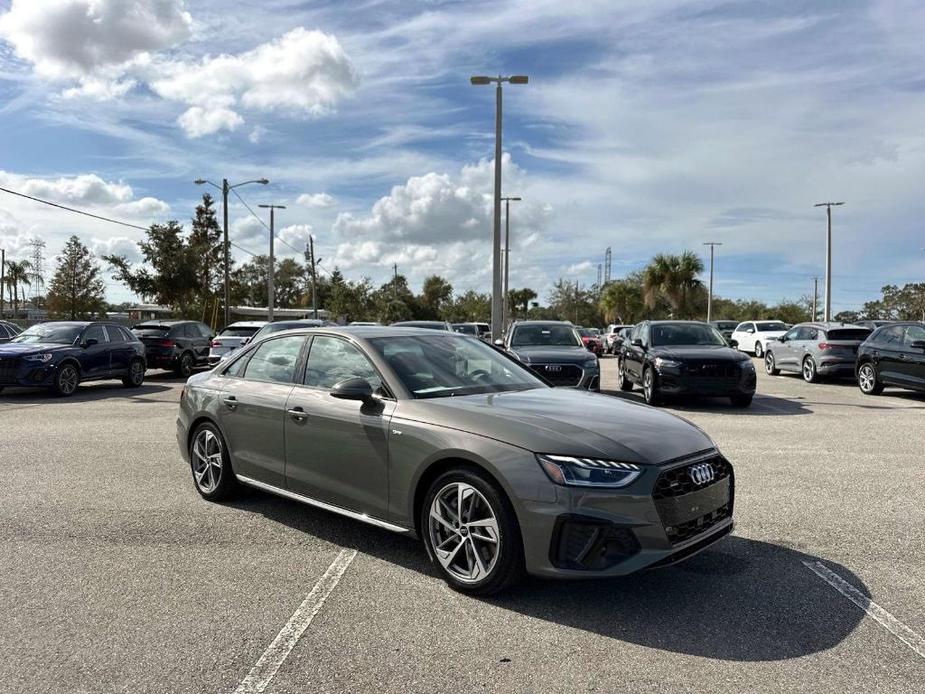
175, 345
554, 350
685, 358
60, 355
893, 355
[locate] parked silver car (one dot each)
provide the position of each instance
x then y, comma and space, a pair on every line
815, 350
440, 435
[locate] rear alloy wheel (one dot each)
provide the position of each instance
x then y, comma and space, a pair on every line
66, 380
626, 385
770, 366
212, 473
650, 388
869, 380
471, 533
809, 371
185, 367
136, 374
759, 350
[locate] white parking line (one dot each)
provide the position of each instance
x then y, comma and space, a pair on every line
884, 618
277, 652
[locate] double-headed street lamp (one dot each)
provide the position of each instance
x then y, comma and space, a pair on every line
827, 311
506, 303
496, 298
271, 299
225, 188
712, 245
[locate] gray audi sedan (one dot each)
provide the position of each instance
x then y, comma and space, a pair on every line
441, 436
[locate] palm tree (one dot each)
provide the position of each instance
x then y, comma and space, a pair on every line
17, 274
675, 278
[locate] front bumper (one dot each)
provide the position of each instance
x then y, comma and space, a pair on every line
578, 376
25, 374
658, 520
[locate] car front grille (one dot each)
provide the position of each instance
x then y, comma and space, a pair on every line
559, 374
688, 508
711, 370
8, 369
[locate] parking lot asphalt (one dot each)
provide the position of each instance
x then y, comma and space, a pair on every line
115, 576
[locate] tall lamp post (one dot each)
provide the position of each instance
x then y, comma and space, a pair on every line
225, 188
712, 245
271, 298
827, 309
506, 303
2, 277
496, 299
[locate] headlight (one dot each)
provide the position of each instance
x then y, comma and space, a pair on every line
525, 360
747, 364
662, 363
588, 472
591, 362
38, 357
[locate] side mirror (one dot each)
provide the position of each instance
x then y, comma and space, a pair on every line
733, 343
498, 343
637, 342
918, 344
246, 340
353, 389
89, 342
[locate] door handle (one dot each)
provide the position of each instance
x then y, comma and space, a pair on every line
298, 414
902, 356
231, 402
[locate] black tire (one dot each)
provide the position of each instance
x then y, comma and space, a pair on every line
626, 385
218, 485
741, 400
508, 567
136, 374
66, 380
808, 370
759, 350
770, 365
185, 365
869, 379
650, 389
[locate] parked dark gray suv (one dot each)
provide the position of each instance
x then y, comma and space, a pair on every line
442, 436
555, 351
815, 350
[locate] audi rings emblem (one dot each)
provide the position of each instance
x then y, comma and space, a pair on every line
701, 474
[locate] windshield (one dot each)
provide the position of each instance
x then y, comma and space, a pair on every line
50, 333
771, 327
686, 334
545, 336
444, 366
238, 331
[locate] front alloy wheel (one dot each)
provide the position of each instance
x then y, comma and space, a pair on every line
650, 388
868, 380
471, 533
770, 367
66, 380
624, 382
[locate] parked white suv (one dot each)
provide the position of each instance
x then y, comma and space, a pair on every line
232, 337
753, 336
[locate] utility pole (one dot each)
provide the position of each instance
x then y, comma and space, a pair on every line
815, 295
496, 298
395, 280
608, 262
311, 255
712, 245
505, 304
827, 314
271, 294
2, 278
225, 188
600, 275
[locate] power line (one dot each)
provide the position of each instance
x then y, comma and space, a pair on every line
276, 236
71, 209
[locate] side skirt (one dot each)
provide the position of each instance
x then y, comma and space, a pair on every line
321, 504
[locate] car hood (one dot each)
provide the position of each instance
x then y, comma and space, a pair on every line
553, 355
711, 352
566, 422
19, 349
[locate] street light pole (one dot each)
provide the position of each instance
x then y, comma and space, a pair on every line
496, 298
271, 296
815, 295
712, 245
2, 277
225, 188
506, 303
827, 310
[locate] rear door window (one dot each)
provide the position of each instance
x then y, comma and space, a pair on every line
115, 335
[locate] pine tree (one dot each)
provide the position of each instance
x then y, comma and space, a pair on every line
77, 287
205, 242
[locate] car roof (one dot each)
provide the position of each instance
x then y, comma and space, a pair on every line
247, 324
675, 322
826, 325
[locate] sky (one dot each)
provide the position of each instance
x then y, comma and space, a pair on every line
647, 126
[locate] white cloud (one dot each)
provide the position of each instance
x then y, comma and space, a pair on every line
198, 121
582, 268
257, 134
144, 207
88, 189
303, 72
73, 39
116, 245
315, 200
249, 230
296, 235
